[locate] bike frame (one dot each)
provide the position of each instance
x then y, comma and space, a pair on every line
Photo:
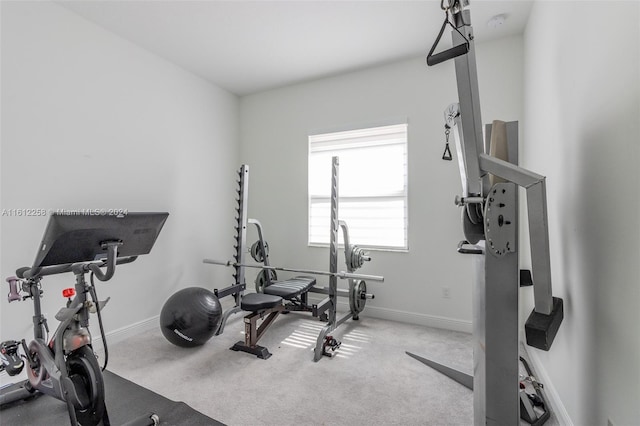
51, 376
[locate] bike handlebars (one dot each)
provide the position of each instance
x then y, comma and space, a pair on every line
29, 273
112, 258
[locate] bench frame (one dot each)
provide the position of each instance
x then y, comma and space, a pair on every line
254, 332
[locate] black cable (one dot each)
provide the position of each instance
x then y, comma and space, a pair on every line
94, 296
43, 321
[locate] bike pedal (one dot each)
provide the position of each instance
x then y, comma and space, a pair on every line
12, 363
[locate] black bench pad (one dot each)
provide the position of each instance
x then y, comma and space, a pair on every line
288, 289
257, 301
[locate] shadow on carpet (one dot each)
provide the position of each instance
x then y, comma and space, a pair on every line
125, 401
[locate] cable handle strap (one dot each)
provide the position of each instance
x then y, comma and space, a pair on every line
447, 152
454, 52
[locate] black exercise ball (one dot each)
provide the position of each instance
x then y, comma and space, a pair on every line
190, 317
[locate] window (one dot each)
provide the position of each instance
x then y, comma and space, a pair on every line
373, 186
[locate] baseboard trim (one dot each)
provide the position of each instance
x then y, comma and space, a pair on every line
125, 332
434, 321
550, 391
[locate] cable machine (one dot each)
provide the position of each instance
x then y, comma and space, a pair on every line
489, 201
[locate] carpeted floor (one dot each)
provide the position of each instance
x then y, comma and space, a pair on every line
370, 382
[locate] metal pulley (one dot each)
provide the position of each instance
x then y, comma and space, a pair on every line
258, 252
472, 217
473, 232
355, 257
358, 297
263, 280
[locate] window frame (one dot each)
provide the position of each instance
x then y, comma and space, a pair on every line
402, 195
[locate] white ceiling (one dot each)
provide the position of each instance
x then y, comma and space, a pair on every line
251, 46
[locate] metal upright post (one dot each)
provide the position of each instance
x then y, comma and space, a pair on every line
469, 95
237, 289
333, 240
332, 300
496, 399
241, 225
495, 305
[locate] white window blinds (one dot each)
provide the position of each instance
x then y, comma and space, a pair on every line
373, 185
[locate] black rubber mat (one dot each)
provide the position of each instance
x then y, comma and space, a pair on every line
125, 401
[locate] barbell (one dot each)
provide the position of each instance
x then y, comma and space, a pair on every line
341, 274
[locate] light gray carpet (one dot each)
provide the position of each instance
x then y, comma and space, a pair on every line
371, 382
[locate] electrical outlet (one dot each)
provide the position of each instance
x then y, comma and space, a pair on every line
446, 293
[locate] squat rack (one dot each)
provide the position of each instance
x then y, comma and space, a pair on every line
325, 309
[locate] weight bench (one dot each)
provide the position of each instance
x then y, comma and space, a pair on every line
291, 288
295, 291
267, 306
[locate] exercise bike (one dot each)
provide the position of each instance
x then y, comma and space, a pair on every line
65, 367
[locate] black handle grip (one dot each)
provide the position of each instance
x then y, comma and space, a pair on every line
454, 52
46, 270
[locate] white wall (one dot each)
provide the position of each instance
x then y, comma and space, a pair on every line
89, 121
582, 115
274, 130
